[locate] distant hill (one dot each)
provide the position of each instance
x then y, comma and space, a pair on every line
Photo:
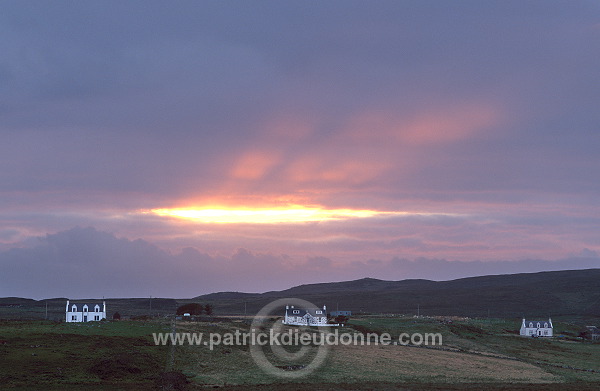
571, 293
15, 301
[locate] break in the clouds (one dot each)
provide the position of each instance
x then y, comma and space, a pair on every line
475, 124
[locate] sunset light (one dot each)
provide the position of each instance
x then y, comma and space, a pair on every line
198, 175
295, 214
176, 149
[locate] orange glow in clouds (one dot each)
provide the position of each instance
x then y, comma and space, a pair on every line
294, 214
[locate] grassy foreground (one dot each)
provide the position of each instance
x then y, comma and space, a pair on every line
475, 355
95, 355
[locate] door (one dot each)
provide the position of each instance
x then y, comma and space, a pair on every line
85, 318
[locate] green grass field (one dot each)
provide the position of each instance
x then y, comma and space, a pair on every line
476, 354
499, 338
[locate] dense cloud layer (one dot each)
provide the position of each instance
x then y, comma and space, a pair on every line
484, 113
172, 103
84, 262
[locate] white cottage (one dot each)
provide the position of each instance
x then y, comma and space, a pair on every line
537, 328
85, 312
305, 317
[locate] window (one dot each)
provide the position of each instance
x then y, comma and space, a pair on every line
318, 312
296, 311
97, 317
74, 317
74, 308
85, 308
530, 324
546, 325
538, 325
97, 309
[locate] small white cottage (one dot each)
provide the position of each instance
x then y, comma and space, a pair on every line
85, 312
305, 317
592, 332
537, 328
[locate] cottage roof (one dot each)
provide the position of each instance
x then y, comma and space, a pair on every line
304, 311
90, 303
535, 322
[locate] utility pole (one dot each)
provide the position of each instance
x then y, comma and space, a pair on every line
150, 305
245, 308
418, 310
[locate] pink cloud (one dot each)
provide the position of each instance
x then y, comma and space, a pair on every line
332, 169
255, 164
429, 126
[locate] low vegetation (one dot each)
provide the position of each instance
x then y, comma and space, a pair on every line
476, 354
53, 355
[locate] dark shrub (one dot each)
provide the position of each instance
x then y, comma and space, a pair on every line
190, 308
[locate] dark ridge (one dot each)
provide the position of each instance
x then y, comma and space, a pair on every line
572, 294
225, 295
16, 301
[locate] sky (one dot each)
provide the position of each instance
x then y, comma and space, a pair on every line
175, 148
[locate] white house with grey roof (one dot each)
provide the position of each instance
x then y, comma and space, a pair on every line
306, 316
537, 328
85, 311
